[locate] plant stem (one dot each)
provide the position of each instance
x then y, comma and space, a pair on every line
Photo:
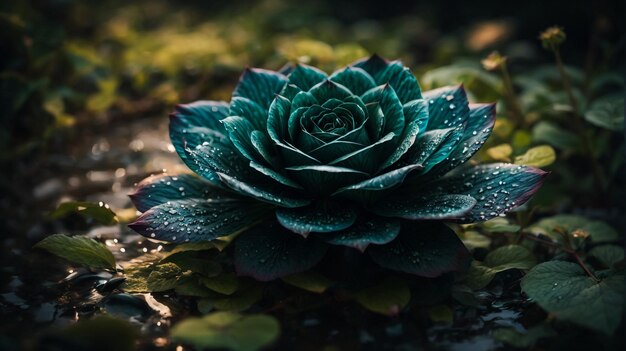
569, 251
587, 148
514, 106
567, 84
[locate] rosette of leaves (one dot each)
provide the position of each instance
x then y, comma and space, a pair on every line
300, 160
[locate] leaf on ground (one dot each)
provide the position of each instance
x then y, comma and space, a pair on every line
524, 340
225, 283
79, 249
240, 301
501, 259
388, 297
441, 314
563, 289
309, 281
227, 330
164, 277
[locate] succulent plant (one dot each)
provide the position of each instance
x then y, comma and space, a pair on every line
299, 160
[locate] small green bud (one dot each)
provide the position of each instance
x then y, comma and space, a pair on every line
494, 61
552, 37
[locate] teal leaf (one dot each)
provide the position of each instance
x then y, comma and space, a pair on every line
78, 249
319, 218
100, 212
292, 157
433, 147
563, 289
306, 142
373, 65
303, 99
401, 80
290, 91
270, 193
322, 179
376, 121
305, 77
263, 147
366, 159
161, 188
447, 107
270, 251
239, 131
210, 158
393, 73
497, 188
277, 118
424, 249
355, 79
334, 149
260, 85
416, 112
275, 175
250, 110
391, 107
328, 89
196, 220
195, 123
372, 230
227, 330
607, 112
415, 207
477, 130
234, 172
381, 182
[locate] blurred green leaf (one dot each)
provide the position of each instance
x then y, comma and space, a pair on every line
563, 288
538, 156
311, 281
225, 283
501, 259
500, 225
598, 231
607, 113
99, 212
78, 249
608, 255
241, 300
388, 297
546, 132
500, 152
227, 330
102, 333
524, 340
